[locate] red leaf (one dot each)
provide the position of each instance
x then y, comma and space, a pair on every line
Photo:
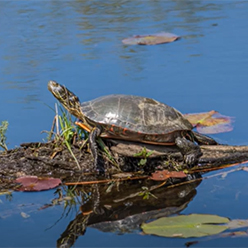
33, 183
152, 39
165, 174
210, 122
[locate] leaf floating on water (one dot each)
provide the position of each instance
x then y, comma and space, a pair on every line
152, 39
33, 183
197, 118
218, 128
210, 122
234, 224
165, 174
185, 226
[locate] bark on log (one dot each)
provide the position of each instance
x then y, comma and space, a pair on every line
52, 160
214, 155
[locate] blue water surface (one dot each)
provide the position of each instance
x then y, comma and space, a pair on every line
78, 44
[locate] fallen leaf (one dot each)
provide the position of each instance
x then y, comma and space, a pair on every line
233, 234
33, 183
185, 226
197, 118
234, 224
165, 174
153, 39
210, 122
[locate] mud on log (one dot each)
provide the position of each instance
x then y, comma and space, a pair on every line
53, 160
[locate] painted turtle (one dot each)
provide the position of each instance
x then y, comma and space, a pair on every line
132, 118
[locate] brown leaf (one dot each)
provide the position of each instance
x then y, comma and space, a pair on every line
33, 183
210, 122
165, 174
152, 39
197, 118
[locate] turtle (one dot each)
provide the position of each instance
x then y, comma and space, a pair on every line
132, 118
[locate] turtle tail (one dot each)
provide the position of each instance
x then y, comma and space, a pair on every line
204, 139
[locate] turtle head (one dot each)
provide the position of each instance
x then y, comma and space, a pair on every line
68, 99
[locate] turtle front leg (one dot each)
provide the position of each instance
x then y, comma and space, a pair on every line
94, 133
190, 151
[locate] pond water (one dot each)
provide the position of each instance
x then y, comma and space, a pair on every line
78, 43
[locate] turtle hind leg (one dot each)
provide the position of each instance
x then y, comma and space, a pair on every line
95, 132
204, 139
190, 151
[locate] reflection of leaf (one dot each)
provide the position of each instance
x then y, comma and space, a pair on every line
33, 183
210, 122
185, 226
165, 174
235, 234
152, 39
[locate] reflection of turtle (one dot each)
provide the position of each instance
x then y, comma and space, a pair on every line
132, 118
105, 210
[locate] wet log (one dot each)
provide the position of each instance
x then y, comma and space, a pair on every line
54, 160
213, 155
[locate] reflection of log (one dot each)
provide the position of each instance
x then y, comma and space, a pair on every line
49, 159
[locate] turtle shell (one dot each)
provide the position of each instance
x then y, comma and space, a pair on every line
135, 118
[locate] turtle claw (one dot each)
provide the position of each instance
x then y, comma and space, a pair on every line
190, 151
190, 159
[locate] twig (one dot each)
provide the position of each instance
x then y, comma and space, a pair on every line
57, 118
106, 181
216, 168
207, 177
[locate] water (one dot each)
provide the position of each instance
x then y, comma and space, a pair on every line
78, 44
